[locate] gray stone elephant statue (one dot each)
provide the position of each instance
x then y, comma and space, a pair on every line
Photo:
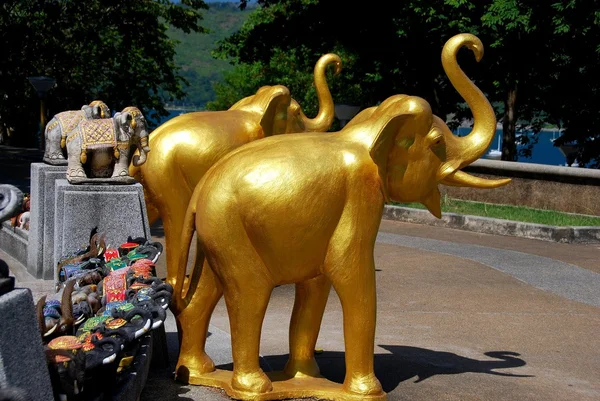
11, 201
62, 124
99, 151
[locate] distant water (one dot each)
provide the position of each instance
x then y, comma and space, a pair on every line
543, 152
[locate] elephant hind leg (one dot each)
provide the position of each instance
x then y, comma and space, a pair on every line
192, 325
247, 292
309, 306
246, 306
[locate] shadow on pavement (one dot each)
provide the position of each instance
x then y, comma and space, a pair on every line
406, 362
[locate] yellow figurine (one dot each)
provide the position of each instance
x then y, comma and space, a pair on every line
185, 147
305, 209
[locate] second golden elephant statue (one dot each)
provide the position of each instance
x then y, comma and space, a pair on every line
185, 147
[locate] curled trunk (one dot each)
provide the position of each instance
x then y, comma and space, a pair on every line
11, 201
467, 149
141, 159
324, 119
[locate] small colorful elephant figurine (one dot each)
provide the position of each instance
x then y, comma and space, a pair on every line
105, 147
64, 123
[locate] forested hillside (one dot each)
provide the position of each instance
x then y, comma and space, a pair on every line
194, 51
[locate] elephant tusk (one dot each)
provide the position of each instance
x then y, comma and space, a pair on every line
52, 330
462, 179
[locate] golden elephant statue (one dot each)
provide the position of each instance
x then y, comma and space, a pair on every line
185, 147
306, 209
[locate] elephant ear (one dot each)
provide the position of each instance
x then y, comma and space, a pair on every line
248, 100
124, 120
406, 116
98, 112
274, 105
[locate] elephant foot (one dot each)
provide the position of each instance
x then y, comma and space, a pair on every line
193, 366
120, 173
363, 385
56, 159
76, 172
255, 382
302, 368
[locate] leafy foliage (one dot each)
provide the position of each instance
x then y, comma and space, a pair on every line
116, 51
538, 68
193, 52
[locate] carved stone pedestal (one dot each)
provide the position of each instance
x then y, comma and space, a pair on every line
117, 211
40, 248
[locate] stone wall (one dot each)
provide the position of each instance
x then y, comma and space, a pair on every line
568, 189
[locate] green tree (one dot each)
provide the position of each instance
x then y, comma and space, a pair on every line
534, 54
116, 51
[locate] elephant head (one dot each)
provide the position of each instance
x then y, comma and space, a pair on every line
96, 109
100, 109
281, 114
132, 124
11, 201
426, 153
61, 324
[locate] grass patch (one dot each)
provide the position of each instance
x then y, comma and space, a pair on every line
507, 212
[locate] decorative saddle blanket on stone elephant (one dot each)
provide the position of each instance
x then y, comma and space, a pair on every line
68, 120
98, 133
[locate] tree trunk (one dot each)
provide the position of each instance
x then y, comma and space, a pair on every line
509, 123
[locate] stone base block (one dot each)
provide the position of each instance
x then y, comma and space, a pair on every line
40, 252
22, 361
13, 241
117, 210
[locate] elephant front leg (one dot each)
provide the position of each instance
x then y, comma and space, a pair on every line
309, 306
75, 168
351, 268
53, 153
122, 164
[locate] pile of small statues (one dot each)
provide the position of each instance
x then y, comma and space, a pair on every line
106, 299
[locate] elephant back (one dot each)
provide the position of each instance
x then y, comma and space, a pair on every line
99, 133
67, 120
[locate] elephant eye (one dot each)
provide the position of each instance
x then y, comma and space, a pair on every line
405, 142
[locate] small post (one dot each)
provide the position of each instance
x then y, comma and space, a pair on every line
42, 86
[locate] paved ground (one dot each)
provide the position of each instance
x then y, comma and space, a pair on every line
461, 316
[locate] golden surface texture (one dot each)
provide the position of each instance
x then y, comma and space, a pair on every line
305, 209
185, 147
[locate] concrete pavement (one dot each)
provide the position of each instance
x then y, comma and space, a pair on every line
461, 316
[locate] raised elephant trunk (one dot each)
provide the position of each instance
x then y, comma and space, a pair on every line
324, 118
66, 308
467, 149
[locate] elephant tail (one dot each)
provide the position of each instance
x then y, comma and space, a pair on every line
182, 294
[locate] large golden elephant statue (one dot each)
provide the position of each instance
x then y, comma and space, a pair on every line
305, 209
185, 147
